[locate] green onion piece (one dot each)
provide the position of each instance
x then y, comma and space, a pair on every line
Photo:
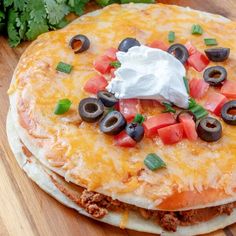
198, 111
171, 37
62, 106
63, 67
197, 29
186, 84
115, 64
154, 162
168, 107
192, 103
110, 109
139, 119
210, 42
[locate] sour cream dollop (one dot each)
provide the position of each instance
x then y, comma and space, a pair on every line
150, 73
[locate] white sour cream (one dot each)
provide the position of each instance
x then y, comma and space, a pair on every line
149, 73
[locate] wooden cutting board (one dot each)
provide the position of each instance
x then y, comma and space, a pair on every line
24, 208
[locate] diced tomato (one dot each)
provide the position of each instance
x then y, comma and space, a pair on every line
198, 61
215, 102
95, 84
159, 44
229, 89
198, 88
129, 108
191, 49
189, 126
111, 53
152, 124
102, 64
124, 140
171, 134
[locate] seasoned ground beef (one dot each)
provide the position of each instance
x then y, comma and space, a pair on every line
169, 222
98, 205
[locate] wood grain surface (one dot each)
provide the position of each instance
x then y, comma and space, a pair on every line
24, 208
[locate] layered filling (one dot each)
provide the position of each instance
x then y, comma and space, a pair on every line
99, 205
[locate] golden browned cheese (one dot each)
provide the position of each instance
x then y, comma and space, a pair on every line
197, 173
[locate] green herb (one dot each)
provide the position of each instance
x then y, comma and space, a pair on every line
26, 19
197, 29
192, 103
154, 162
198, 111
139, 119
171, 37
115, 64
62, 106
210, 42
63, 67
186, 84
168, 107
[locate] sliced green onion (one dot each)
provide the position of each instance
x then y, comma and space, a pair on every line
171, 36
186, 84
62, 106
198, 111
154, 162
63, 67
192, 103
139, 119
168, 107
197, 29
115, 64
210, 42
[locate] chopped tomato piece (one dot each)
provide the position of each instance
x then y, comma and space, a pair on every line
189, 126
124, 140
159, 44
229, 89
102, 64
198, 61
191, 49
152, 124
129, 108
198, 88
95, 84
111, 53
171, 134
215, 102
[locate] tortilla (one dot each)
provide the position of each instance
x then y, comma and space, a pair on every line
42, 176
198, 174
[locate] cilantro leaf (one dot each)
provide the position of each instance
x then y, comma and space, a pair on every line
37, 10
7, 3
77, 6
36, 29
56, 11
14, 38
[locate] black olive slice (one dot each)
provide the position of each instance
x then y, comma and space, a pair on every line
209, 129
215, 75
186, 112
91, 109
113, 123
135, 131
128, 43
179, 51
107, 98
217, 54
79, 43
228, 112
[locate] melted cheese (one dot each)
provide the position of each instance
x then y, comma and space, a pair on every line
90, 157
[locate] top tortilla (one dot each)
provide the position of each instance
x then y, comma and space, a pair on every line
198, 174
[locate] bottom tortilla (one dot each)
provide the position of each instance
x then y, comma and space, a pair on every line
46, 179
